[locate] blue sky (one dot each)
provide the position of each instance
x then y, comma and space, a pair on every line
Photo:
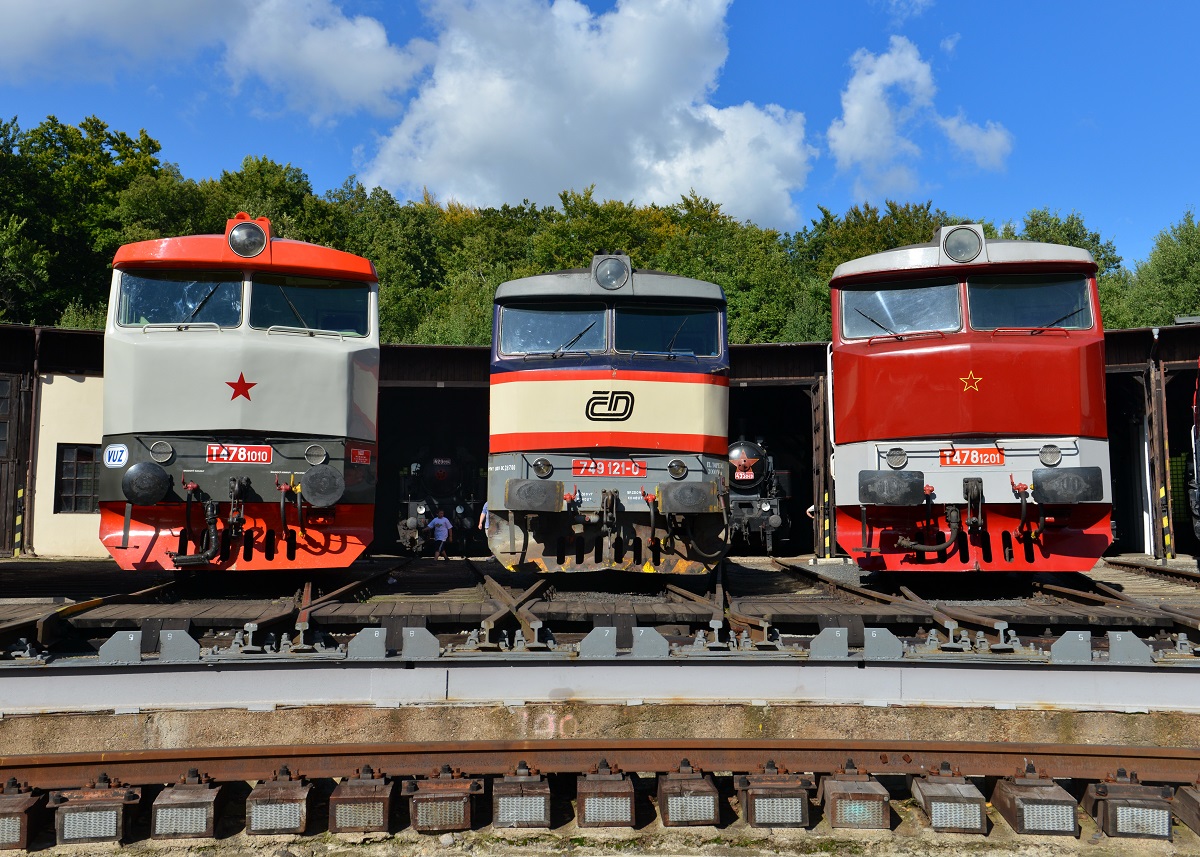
770, 107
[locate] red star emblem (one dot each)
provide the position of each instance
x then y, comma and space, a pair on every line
241, 387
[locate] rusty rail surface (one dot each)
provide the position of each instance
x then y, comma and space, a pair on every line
880, 757
1151, 569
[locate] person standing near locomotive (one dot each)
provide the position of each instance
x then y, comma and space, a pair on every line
443, 532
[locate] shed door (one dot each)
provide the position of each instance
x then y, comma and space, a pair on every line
12, 475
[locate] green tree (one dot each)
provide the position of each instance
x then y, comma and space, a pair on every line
65, 181
1167, 284
24, 270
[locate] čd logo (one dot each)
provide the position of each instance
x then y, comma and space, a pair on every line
610, 405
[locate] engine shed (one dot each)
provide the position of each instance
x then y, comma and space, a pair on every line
434, 402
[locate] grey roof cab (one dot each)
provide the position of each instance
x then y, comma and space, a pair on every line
638, 285
916, 257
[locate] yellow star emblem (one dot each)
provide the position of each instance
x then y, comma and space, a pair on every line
970, 382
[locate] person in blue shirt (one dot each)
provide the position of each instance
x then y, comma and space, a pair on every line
443, 532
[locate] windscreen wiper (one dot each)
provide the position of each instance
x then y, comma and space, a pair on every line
675, 335
874, 322
572, 340
200, 305
1061, 318
292, 306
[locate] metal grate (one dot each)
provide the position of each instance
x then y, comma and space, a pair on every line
601, 810
1143, 821
1048, 816
359, 814
90, 824
944, 813
681, 808
779, 810
860, 813
10, 829
519, 809
441, 814
180, 819
274, 816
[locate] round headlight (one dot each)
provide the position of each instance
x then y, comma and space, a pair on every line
543, 468
896, 458
962, 244
458, 510
316, 454
1050, 455
247, 239
611, 274
420, 508
765, 506
677, 469
161, 451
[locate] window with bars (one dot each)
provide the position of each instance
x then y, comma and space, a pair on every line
77, 486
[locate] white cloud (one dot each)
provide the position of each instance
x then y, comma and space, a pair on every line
869, 135
316, 59
513, 99
527, 98
889, 98
70, 40
989, 146
949, 43
321, 62
902, 10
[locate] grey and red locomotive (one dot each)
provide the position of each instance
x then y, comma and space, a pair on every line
240, 402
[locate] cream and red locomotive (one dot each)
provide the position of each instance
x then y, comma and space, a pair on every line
968, 407
240, 400
609, 414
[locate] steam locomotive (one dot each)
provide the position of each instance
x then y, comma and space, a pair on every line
758, 494
609, 400
240, 397
967, 407
446, 480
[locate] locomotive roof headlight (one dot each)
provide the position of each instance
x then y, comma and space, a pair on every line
896, 458
1050, 455
543, 468
161, 451
962, 244
247, 239
420, 508
316, 454
611, 273
677, 469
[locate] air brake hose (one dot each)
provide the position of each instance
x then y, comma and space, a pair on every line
952, 518
724, 549
214, 542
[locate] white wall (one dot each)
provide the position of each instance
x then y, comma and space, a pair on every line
70, 412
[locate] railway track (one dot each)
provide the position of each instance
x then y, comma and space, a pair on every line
689, 704
717, 784
775, 609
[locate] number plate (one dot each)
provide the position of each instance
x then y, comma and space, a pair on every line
238, 454
607, 467
972, 456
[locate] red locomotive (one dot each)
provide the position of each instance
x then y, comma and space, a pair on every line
968, 411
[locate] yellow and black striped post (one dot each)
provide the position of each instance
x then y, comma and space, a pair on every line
18, 524
1165, 511
825, 523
